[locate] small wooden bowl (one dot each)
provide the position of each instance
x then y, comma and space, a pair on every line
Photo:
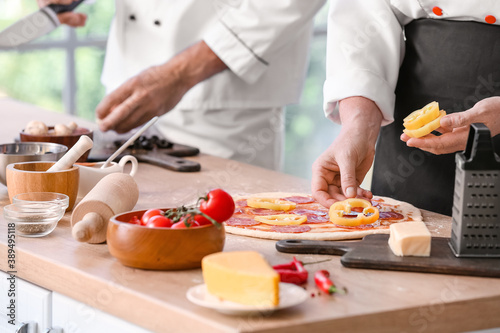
161, 248
30, 177
67, 140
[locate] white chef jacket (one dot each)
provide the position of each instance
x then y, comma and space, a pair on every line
263, 42
365, 46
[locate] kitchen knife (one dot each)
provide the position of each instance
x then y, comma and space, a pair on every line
34, 25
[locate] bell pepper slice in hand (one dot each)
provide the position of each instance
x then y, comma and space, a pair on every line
426, 129
282, 219
270, 203
421, 117
340, 209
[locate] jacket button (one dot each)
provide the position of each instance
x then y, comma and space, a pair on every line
157, 22
438, 11
132, 17
490, 19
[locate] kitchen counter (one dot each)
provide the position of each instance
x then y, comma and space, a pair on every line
381, 301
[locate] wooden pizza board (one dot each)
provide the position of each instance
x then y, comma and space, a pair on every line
373, 252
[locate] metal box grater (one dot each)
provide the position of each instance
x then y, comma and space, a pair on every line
475, 230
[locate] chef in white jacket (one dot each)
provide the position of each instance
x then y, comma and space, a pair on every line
387, 58
218, 72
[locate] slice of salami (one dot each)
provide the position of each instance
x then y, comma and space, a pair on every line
317, 219
299, 200
238, 221
290, 228
308, 212
390, 216
264, 211
238, 210
240, 203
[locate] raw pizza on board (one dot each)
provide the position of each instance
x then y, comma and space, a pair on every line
318, 225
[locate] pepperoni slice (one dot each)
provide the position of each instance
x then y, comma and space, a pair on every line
238, 221
390, 216
309, 212
317, 219
290, 228
299, 200
240, 203
238, 210
264, 211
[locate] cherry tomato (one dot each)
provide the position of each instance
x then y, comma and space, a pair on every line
219, 206
135, 220
180, 225
149, 214
159, 221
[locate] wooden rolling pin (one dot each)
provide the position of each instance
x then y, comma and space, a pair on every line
79, 148
116, 193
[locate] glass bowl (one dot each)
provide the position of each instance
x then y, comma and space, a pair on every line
36, 214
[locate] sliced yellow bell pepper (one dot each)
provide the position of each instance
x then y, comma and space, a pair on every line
270, 203
340, 209
426, 129
419, 118
282, 219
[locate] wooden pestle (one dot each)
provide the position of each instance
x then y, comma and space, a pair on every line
116, 193
81, 146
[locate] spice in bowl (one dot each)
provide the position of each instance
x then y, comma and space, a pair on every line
36, 214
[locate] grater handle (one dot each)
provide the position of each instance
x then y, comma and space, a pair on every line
479, 152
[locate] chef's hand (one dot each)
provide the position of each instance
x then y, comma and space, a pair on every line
156, 90
338, 172
69, 18
455, 128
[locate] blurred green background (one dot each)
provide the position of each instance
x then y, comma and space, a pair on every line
38, 76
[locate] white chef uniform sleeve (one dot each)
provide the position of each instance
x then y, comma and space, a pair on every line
365, 48
247, 35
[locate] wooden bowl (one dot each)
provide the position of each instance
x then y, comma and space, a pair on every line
161, 248
30, 177
67, 140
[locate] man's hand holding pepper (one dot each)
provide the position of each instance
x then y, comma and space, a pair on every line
339, 171
455, 128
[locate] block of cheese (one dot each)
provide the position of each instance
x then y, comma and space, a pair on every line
410, 239
241, 276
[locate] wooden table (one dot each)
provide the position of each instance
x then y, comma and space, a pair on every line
380, 301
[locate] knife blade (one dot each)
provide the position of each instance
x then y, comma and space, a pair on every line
34, 25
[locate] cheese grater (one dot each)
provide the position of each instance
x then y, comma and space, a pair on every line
475, 230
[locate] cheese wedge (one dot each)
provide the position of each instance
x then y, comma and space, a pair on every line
410, 239
242, 277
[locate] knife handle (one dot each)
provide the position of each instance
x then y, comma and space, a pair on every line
58, 9
314, 247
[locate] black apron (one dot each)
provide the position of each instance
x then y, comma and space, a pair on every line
456, 64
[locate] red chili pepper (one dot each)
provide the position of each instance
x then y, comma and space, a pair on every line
293, 272
325, 284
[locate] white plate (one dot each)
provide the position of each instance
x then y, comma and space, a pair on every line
290, 295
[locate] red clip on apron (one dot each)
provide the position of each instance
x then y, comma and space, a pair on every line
456, 64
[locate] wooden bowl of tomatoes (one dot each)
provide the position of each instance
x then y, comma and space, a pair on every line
161, 248
170, 239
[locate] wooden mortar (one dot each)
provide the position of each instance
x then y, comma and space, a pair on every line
116, 193
33, 177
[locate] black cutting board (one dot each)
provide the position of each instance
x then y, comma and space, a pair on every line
373, 252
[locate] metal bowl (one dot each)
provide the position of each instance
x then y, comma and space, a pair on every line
27, 152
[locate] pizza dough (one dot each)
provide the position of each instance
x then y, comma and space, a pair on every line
312, 230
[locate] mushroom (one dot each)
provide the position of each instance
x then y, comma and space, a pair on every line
61, 129
72, 126
36, 127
